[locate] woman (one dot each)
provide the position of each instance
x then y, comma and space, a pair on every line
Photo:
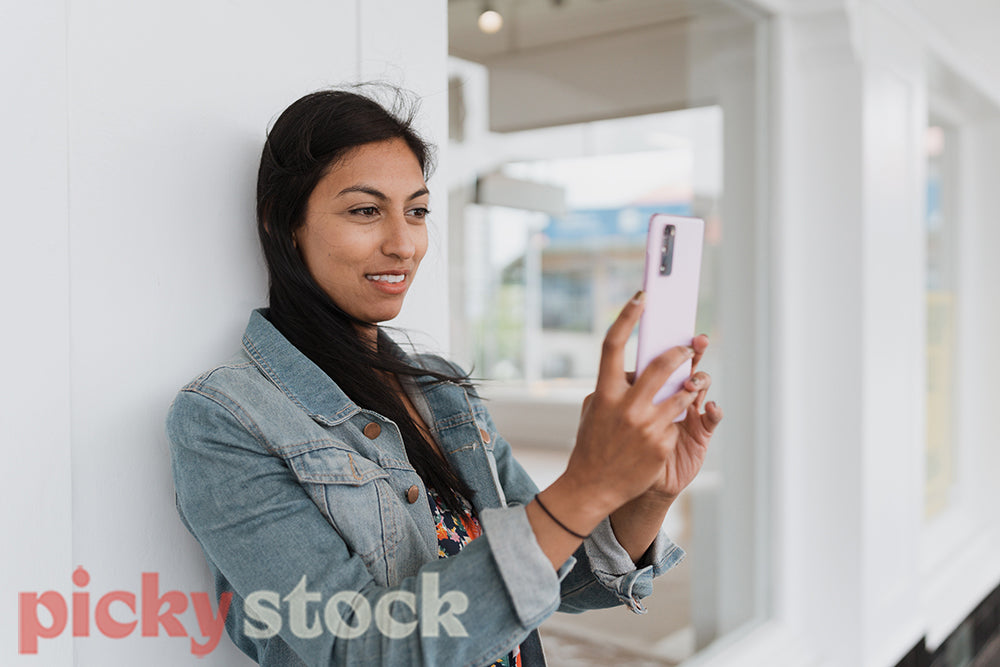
336, 484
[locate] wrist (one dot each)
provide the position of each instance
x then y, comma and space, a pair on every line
579, 508
555, 519
637, 522
650, 501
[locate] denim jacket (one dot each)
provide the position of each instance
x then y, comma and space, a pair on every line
313, 520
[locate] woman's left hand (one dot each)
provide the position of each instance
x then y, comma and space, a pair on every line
693, 434
637, 522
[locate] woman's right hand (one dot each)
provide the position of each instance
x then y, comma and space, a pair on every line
624, 440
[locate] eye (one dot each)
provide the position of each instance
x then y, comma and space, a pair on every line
365, 211
419, 212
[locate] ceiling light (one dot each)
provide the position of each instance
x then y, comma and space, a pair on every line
490, 21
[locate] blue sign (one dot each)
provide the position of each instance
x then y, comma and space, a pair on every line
619, 226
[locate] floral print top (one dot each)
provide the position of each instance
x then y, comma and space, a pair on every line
454, 531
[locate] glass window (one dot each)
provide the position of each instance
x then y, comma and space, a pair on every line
552, 284
940, 295
573, 134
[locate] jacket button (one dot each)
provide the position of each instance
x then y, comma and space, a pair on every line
486, 436
372, 430
412, 494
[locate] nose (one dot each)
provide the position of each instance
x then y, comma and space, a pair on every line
399, 237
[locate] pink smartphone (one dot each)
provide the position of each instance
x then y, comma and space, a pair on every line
673, 266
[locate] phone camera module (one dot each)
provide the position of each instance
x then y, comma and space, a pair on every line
667, 250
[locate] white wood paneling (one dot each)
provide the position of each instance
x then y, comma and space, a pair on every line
35, 401
169, 103
130, 263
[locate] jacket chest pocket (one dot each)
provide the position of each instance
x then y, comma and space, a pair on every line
353, 493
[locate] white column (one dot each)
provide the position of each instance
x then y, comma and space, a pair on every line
816, 328
893, 334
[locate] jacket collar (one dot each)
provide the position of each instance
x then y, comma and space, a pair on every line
294, 373
314, 392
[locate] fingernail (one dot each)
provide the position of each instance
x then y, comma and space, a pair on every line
639, 297
697, 381
689, 351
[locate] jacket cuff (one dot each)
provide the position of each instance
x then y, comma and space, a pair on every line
532, 584
613, 567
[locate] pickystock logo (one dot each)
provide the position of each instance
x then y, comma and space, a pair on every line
347, 614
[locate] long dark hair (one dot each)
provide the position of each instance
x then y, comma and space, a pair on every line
309, 138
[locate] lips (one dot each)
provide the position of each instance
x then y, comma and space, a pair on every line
386, 277
389, 282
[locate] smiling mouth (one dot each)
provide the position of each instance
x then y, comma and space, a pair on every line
385, 277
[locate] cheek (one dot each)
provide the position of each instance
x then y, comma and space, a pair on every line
329, 260
421, 243
338, 249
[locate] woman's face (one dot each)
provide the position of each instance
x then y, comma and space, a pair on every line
365, 229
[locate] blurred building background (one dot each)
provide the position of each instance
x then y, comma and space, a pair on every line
844, 154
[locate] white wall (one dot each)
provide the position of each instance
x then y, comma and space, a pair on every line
130, 262
34, 333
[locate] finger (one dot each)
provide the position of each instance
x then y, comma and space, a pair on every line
700, 400
659, 371
700, 344
612, 365
676, 405
712, 416
699, 382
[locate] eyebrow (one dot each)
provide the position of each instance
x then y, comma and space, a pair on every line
378, 194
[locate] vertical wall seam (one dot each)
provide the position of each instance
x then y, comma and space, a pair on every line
69, 284
357, 41
69, 239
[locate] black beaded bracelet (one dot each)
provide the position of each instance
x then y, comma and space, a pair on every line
561, 524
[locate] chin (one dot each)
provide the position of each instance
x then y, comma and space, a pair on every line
379, 318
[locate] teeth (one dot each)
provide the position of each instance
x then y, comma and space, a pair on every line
386, 278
